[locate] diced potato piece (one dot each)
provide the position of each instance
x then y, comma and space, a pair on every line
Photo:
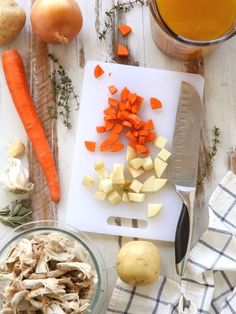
135, 173
105, 185
117, 175
148, 163
130, 153
154, 209
160, 142
136, 163
114, 197
88, 181
160, 166
125, 197
164, 154
100, 195
136, 197
159, 184
153, 185
100, 169
136, 186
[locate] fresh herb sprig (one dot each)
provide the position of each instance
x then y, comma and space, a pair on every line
118, 7
16, 213
215, 141
63, 93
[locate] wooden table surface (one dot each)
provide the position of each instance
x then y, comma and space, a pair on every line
218, 69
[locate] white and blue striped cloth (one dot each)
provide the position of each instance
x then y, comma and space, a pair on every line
209, 284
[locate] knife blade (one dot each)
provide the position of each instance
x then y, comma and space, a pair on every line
184, 166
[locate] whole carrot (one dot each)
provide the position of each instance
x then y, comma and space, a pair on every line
17, 83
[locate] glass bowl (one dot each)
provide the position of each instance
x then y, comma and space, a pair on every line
99, 297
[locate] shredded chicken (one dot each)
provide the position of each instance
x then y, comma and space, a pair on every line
46, 273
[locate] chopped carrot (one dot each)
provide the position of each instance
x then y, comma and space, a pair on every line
113, 102
124, 29
122, 51
101, 129
118, 128
91, 146
149, 125
113, 138
135, 133
141, 149
141, 140
143, 133
109, 110
113, 90
132, 98
123, 115
150, 137
133, 118
108, 125
131, 137
127, 124
122, 106
117, 147
155, 103
135, 108
105, 146
98, 71
124, 94
110, 117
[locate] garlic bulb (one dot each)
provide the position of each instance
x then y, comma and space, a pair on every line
15, 177
16, 149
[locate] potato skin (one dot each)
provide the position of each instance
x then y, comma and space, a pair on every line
138, 263
12, 20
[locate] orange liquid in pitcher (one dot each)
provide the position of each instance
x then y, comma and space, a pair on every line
198, 19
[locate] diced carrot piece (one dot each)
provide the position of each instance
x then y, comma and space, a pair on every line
133, 144
135, 133
150, 137
122, 106
141, 140
118, 128
110, 117
127, 124
124, 94
135, 108
101, 129
98, 71
112, 89
122, 51
132, 98
123, 114
139, 100
109, 110
105, 146
149, 125
143, 133
128, 106
113, 102
113, 138
131, 137
155, 103
91, 146
141, 149
118, 146
108, 125
124, 29
134, 119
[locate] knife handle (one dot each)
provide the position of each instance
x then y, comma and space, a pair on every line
184, 229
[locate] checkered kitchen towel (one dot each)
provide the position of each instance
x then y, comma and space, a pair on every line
209, 284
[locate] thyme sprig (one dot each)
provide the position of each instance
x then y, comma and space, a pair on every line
62, 92
118, 7
16, 213
215, 141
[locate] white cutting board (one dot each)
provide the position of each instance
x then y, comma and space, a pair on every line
83, 210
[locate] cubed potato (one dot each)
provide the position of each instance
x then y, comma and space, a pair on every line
135, 173
125, 197
136, 186
159, 184
136, 197
154, 210
101, 171
117, 175
136, 163
164, 154
153, 185
88, 181
160, 166
160, 142
130, 153
114, 197
100, 195
148, 163
105, 185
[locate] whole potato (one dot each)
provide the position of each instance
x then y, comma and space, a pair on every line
138, 263
12, 20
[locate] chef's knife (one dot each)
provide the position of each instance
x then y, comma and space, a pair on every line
183, 167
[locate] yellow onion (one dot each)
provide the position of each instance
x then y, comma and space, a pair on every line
56, 21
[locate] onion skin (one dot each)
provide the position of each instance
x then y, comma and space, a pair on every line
56, 21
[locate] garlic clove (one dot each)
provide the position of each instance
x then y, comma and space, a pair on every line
16, 149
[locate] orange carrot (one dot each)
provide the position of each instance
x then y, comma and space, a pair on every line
105, 146
109, 110
98, 71
101, 129
113, 138
91, 146
124, 94
117, 147
108, 125
141, 140
113, 102
122, 51
127, 124
113, 90
150, 137
110, 117
118, 128
149, 125
132, 98
131, 137
155, 103
141, 149
124, 29
17, 83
